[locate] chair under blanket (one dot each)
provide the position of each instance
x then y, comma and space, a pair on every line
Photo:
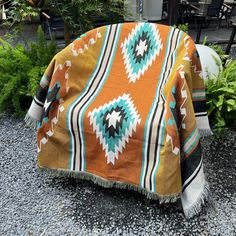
124, 106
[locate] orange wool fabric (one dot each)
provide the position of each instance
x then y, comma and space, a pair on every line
124, 104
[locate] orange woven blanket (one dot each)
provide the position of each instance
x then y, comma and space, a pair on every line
123, 105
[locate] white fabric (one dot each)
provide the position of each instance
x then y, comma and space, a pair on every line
208, 58
195, 189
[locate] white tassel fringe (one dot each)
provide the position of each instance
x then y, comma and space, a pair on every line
197, 207
112, 184
30, 122
205, 133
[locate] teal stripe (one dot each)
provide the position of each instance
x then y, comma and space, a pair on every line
114, 48
44, 82
191, 146
164, 128
157, 166
193, 142
174, 55
82, 93
190, 136
144, 149
179, 40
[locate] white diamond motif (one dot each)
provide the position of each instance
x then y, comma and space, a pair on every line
140, 49
113, 118
114, 124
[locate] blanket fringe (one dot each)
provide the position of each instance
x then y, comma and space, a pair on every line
111, 184
196, 208
30, 122
205, 133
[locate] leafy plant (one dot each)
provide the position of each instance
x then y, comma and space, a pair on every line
221, 97
218, 49
41, 51
204, 41
18, 10
183, 27
78, 15
20, 71
78, 12
34, 75
14, 65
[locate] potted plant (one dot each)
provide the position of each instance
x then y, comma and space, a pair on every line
77, 15
203, 6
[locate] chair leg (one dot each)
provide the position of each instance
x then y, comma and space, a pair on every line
195, 23
231, 40
220, 21
218, 24
199, 29
49, 29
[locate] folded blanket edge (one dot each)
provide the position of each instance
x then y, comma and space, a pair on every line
200, 202
205, 133
30, 121
111, 184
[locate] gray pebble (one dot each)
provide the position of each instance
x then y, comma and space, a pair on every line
34, 203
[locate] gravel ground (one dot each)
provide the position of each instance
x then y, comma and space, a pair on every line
34, 203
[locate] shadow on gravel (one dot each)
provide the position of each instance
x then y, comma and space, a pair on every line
35, 203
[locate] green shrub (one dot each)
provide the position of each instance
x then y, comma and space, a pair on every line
41, 52
221, 97
78, 13
14, 66
218, 49
183, 27
18, 11
20, 71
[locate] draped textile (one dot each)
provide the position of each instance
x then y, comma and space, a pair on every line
124, 106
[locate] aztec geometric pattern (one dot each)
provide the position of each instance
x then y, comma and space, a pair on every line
77, 48
82, 134
53, 103
113, 124
140, 49
173, 121
184, 96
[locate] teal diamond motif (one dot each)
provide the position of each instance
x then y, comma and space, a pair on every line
140, 49
114, 123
